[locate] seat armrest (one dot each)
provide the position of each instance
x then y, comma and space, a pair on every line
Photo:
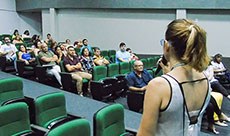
14, 100
136, 92
74, 116
63, 120
39, 131
131, 132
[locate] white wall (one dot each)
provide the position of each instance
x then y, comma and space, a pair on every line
106, 29
139, 29
11, 20
217, 26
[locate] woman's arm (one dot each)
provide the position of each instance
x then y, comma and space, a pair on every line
156, 98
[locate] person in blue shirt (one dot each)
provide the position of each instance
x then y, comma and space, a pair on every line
139, 78
122, 55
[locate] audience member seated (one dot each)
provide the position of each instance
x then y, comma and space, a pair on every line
26, 34
87, 60
215, 84
98, 59
64, 49
73, 65
48, 58
53, 46
139, 78
68, 42
9, 50
85, 44
15, 33
17, 39
59, 54
133, 56
219, 68
211, 108
26, 56
122, 55
49, 40
78, 44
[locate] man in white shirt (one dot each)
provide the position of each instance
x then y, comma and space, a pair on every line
8, 49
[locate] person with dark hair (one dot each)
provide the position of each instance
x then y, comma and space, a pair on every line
9, 50
26, 56
87, 60
49, 39
122, 55
26, 34
59, 53
73, 65
219, 69
175, 102
15, 33
17, 39
85, 44
78, 44
133, 56
98, 59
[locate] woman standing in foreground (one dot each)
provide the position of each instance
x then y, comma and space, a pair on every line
174, 103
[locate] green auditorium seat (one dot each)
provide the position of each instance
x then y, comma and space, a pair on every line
50, 110
7, 35
121, 84
102, 87
80, 127
112, 56
14, 120
77, 50
135, 100
109, 121
11, 89
104, 53
27, 40
124, 67
111, 53
151, 63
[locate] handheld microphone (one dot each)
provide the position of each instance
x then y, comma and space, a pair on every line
164, 61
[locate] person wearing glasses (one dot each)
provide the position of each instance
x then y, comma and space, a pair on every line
139, 78
175, 102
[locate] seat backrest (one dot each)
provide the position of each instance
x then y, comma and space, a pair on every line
99, 72
27, 39
14, 119
109, 121
151, 62
113, 69
62, 66
78, 127
17, 45
10, 88
112, 53
104, 53
124, 67
145, 63
49, 108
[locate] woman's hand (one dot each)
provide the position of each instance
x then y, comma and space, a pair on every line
166, 68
